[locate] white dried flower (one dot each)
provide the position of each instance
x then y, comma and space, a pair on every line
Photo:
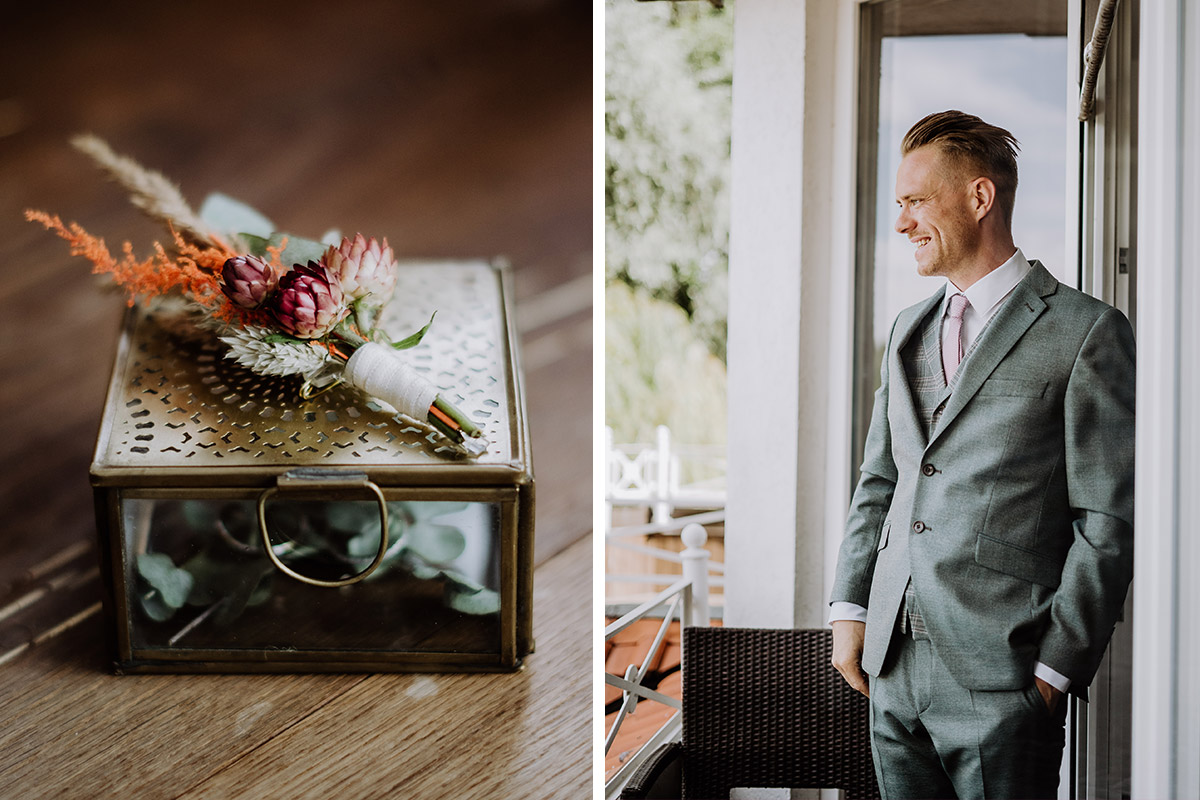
250, 348
365, 269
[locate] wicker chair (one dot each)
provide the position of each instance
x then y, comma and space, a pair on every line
761, 708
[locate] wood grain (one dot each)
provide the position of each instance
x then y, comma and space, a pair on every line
72, 731
517, 735
457, 131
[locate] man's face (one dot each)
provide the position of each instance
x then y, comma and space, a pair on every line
936, 212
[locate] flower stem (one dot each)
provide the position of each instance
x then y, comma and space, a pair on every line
450, 410
364, 317
444, 425
347, 333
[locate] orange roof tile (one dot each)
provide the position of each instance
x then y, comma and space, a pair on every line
663, 674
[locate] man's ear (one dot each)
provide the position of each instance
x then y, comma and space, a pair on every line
982, 195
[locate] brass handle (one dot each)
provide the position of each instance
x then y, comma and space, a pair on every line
340, 482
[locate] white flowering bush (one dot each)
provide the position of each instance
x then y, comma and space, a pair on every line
659, 372
668, 79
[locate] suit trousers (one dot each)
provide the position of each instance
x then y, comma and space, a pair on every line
932, 738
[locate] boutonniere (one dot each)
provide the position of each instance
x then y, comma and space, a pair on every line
283, 304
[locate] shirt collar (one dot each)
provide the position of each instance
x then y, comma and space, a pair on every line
985, 294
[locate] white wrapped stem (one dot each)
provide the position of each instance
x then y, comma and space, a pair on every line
378, 371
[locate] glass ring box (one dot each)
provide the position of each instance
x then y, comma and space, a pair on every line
244, 528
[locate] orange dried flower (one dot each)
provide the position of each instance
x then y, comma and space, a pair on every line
195, 271
277, 254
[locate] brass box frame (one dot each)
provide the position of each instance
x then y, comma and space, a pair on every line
222, 451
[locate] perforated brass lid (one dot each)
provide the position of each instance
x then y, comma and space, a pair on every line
179, 413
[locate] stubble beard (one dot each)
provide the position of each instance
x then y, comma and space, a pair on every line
930, 262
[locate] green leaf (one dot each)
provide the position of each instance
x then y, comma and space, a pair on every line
296, 523
366, 543
361, 521
461, 583
424, 572
282, 338
244, 594
200, 515
439, 544
258, 244
299, 250
155, 608
171, 583
262, 593
234, 584
484, 601
352, 516
422, 510
228, 215
415, 339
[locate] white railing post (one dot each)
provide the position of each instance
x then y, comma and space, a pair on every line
662, 483
695, 572
610, 480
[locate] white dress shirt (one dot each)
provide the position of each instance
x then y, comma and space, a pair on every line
985, 296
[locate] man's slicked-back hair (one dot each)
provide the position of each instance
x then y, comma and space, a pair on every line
971, 142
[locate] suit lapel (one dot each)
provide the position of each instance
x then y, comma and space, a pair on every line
1001, 334
902, 389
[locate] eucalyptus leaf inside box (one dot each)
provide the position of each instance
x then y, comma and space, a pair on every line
246, 528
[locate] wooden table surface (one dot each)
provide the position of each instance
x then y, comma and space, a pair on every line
456, 130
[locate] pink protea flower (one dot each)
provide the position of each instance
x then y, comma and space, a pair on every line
310, 302
365, 268
247, 280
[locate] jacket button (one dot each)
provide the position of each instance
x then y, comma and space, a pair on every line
918, 527
928, 470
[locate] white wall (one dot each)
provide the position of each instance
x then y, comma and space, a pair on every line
1166, 692
791, 272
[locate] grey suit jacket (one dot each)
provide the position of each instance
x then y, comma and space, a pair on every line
1014, 516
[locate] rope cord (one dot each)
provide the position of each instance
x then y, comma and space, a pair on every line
1094, 57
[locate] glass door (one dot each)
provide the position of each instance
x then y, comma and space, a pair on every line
919, 57
1104, 228
1018, 65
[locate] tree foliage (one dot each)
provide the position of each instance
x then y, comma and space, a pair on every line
668, 79
659, 372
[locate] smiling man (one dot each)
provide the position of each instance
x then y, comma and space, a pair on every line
988, 548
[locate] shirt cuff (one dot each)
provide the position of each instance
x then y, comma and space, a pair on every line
841, 611
1055, 679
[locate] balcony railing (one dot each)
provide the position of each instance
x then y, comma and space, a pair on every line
686, 600
663, 476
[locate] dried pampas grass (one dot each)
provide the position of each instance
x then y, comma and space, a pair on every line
153, 194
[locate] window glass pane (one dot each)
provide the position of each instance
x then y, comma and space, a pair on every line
1010, 80
199, 578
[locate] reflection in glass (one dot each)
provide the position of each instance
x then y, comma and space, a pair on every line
203, 580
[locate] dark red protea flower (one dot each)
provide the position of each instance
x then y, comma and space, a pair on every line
247, 280
309, 303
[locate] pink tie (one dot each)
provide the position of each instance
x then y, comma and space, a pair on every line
952, 347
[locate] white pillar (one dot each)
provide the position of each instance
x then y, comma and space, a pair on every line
695, 569
662, 508
1166, 651
612, 474
791, 266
